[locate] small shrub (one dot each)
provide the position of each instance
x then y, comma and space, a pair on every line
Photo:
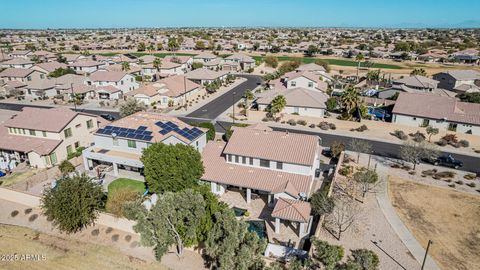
95, 232
400, 135
33, 217
265, 119
470, 176
445, 174
312, 125
115, 237
448, 180
28, 211
332, 126
464, 143
302, 122
324, 126
49, 219
441, 142
361, 128
108, 230
292, 122
417, 136
452, 185
429, 172
116, 200
14, 213
459, 182
345, 171
128, 238
412, 172
471, 184
450, 138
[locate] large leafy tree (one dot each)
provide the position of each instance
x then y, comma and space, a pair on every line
321, 203
73, 203
350, 101
326, 255
125, 66
414, 152
419, 72
131, 106
230, 245
157, 63
171, 167
212, 206
367, 180
173, 220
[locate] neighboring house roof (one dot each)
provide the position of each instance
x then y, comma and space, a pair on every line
85, 63
241, 58
293, 210
177, 85
468, 88
205, 55
149, 90
107, 76
297, 97
273, 145
219, 171
107, 88
437, 107
40, 84
51, 66
53, 119
151, 123
18, 61
418, 82
462, 75
321, 85
16, 72
312, 67
204, 74
68, 79
20, 52
147, 59
26, 144
181, 59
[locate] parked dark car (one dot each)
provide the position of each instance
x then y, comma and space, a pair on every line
327, 152
107, 116
448, 161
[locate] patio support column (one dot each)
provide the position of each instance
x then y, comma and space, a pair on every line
86, 163
249, 195
277, 225
301, 229
269, 200
115, 169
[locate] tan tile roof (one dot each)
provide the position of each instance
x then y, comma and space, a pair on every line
148, 90
26, 144
16, 72
85, 63
273, 145
18, 61
219, 171
293, 210
177, 85
107, 76
298, 97
51, 66
205, 74
437, 107
54, 119
311, 67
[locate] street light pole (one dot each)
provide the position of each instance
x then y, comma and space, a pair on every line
233, 107
73, 97
426, 253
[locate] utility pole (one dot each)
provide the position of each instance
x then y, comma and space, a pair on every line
73, 97
426, 253
233, 107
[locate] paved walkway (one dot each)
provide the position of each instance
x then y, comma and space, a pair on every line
402, 231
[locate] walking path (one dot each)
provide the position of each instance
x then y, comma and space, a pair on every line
401, 230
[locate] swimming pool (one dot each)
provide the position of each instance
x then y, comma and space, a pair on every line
258, 226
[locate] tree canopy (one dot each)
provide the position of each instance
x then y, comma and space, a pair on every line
171, 167
131, 106
73, 203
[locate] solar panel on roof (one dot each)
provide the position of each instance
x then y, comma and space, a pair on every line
196, 129
164, 131
108, 127
142, 128
131, 135
146, 132
147, 138
107, 132
115, 128
139, 136
130, 130
123, 129
100, 131
122, 134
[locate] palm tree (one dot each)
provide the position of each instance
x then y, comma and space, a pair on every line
419, 72
248, 96
125, 66
157, 63
277, 104
359, 58
349, 100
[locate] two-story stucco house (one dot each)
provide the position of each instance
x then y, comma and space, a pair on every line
86, 66
45, 137
120, 144
22, 75
118, 79
459, 81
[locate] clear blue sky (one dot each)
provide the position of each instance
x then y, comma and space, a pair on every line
296, 13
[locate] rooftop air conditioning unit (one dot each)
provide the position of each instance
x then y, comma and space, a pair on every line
303, 196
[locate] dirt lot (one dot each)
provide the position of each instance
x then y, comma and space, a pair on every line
449, 218
61, 253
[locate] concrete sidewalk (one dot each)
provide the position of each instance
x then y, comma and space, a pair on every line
401, 230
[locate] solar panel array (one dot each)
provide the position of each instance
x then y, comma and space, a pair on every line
141, 133
188, 133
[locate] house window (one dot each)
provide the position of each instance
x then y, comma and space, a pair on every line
23, 131
29, 78
89, 124
251, 161
53, 158
44, 133
279, 165
310, 84
77, 144
132, 144
229, 158
10, 130
42, 76
67, 132
218, 188
115, 141
47, 160
69, 149
78, 126
121, 82
293, 83
244, 160
236, 159
32, 132
265, 163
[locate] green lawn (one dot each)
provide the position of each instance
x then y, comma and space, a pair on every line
107, 54
334, 62
122, 183
161, 55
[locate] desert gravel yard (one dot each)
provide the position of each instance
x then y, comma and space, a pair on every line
450, 218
